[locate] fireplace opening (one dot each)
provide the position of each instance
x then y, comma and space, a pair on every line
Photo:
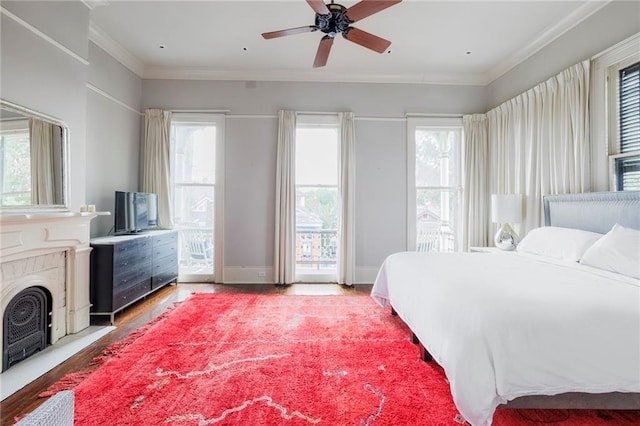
26, 323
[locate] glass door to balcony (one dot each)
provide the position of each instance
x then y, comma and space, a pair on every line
317, 202
194, 144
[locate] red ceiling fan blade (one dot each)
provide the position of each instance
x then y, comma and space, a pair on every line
319, 7
290, 31
323, 52
366, 39
368, 7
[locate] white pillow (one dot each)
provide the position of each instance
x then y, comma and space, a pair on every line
558, 243
618, 251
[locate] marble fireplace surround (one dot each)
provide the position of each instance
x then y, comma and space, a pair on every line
52, 251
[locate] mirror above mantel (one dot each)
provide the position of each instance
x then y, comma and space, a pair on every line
33, 161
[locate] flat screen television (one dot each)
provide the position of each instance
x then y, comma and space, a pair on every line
135, 212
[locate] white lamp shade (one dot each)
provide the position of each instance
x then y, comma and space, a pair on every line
506, 208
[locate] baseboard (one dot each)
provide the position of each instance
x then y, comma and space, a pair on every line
248, 275
251, 275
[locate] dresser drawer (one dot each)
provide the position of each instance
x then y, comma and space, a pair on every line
131, 249
130, 277
163, 277
170, 238
131, 294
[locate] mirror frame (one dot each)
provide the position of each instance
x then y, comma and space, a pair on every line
47, 208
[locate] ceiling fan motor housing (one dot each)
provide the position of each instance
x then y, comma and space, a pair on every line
334, 22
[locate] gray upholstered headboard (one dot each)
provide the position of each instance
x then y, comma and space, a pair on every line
593, 211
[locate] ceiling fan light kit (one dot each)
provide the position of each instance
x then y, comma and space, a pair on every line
333, 19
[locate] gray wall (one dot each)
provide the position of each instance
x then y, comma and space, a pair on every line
38, 75
114, 96
250, 162
610, 25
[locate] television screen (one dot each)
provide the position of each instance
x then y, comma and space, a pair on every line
123, 215
135, 211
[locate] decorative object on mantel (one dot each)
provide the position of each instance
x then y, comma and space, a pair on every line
506, 209
333, 19
276, 359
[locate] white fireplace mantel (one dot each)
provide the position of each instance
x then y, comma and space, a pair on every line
38, 235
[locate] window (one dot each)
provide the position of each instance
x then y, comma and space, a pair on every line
196, 171
15, 175
433, 182
317, 205
627, 159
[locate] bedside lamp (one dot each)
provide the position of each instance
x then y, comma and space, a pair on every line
505, 209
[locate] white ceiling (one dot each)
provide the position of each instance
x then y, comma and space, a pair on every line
215, 39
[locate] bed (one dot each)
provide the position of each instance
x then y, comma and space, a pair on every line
524, 328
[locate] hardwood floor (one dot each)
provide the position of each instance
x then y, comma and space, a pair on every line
135, 316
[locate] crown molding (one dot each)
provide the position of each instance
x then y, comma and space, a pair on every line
194, 73
551, 34
43, 36
92, 4
115, 49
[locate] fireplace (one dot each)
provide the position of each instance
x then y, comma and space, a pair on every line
25, 325
44, 280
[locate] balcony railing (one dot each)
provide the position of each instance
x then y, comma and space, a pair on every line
316, 249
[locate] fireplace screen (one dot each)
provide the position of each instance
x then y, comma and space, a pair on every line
25, 326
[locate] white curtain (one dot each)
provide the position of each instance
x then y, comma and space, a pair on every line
476, 207
346, 231
155, 162
284, 251
41, 151
539, 142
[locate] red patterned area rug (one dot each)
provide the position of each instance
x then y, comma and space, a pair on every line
235, 359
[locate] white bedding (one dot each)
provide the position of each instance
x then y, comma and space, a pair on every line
504, 325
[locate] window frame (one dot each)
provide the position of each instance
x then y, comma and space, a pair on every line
413, 123
615, 148
605, 144
321, 121
218, 120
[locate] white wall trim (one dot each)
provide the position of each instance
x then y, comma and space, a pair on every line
563, 26
43, 36
287, 75
256, 116
92, 4
111, 98
250, 275
247, 275
115, 49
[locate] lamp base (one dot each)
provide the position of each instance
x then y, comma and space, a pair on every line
506, 238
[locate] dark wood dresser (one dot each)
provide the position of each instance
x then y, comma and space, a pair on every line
126, 268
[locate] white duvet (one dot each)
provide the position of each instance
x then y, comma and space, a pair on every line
504, 325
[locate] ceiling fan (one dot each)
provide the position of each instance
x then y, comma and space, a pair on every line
333, 19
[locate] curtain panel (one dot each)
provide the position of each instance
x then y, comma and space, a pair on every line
346, 231
41, 149
476, 219
538, 144
284, 250
155, 162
